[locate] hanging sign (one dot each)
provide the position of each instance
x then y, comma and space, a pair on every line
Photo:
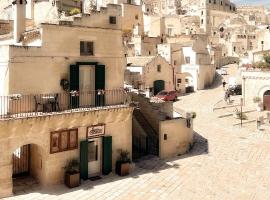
95, 131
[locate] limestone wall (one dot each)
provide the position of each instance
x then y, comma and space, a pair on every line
31, 67
49, 168
179, 138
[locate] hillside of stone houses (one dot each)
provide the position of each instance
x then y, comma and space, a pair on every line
134, 99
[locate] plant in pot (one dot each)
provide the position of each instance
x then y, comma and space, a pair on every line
239, 115
258, 102
72, 174
123, 163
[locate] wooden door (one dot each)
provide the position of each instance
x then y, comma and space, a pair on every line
266, 102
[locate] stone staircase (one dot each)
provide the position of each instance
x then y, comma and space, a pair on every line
152, 136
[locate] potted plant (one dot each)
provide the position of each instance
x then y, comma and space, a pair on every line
123, 163
72, 175
258, 102
239, 115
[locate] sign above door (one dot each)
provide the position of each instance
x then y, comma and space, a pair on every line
95, 131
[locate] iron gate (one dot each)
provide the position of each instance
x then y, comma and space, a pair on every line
21, 161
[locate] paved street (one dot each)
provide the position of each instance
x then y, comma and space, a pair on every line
225, 163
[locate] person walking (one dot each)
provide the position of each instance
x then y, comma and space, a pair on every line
224, 84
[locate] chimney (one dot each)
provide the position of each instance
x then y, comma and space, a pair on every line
19, 18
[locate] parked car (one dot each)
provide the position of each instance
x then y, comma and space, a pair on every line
167, 95
235, 90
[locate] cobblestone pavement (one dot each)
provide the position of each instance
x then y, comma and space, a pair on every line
226, 163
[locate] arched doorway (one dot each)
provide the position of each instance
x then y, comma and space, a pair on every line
266, 100
189, 83
159, 85
26, 167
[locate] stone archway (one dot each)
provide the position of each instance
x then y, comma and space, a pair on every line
26, 167
189, 82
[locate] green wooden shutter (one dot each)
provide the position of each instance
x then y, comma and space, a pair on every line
107, 155
100, 84
100, 77
84, 159
74, 75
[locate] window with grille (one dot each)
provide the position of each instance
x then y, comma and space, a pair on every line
86, 48
112, 20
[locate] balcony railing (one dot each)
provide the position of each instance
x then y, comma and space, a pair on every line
21, 106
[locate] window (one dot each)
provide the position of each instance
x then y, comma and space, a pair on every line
136, 17
64, 140
221, 3
201, 21
202, 13
86, 48
210, 1
187, 60
215, 1
169, 31
179, 80
159, 68
112, 20
174, 62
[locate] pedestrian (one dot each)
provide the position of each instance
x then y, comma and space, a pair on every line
224, 84
229, 97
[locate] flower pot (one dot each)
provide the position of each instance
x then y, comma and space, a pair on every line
72, 180
122, 169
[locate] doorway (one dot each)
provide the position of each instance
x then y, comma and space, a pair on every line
266, 100
159, 85
94, 157
26, 167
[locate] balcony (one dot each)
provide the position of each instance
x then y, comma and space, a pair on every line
34, 105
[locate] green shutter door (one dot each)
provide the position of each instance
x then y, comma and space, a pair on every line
159, 85
100, 84
74, 75
107, 155
84, 159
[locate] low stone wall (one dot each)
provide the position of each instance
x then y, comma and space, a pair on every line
178, 137
175, 138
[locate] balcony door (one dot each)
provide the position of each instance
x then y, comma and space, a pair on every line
93, 78
87, 85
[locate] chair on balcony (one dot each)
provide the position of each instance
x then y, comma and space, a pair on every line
55, 103
38, 104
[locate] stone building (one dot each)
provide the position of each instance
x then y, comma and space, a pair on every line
64, 97
255, 83
155, 73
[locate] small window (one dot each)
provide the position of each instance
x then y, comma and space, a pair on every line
64, 140
179, 80
187, 60
201, 21
215, 1
159, 68
174, 62
136, 17
202, 13
112, 20
86, 48
221, 3
210, 1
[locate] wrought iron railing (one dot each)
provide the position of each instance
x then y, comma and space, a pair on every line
18, 106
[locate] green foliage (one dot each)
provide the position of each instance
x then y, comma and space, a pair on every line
73, 166
256, 99
124, 157
193, 115
74, 11
265, 64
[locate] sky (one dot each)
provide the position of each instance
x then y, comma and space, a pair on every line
253, 2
